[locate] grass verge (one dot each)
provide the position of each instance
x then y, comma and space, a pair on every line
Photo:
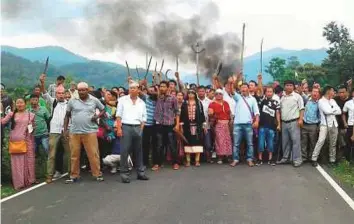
7, 190
344, 172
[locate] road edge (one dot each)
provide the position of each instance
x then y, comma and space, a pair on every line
336, 187
29, 189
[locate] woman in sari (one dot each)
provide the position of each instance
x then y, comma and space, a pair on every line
220, 115
193, 124
22, 164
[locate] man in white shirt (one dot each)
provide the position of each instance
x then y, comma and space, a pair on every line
58, 110
328, 126
131, 117
348, 122
207, 136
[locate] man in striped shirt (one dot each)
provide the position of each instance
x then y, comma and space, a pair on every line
149, 132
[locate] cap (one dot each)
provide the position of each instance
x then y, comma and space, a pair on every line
219, 91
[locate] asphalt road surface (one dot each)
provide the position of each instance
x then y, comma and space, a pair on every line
206, 195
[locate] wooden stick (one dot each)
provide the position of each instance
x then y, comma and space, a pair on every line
243, 46
261, 62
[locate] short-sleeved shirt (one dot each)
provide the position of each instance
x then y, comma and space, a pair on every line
40, 119
268, 109
312, 112
166, 110
243, 113
81, 114
221, 111
349, 108
290, 106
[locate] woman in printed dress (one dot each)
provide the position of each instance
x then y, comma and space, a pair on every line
193, 124
180, 147
220, 115
22, 165
106, 134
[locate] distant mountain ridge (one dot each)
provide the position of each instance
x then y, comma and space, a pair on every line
59, 56
109, 74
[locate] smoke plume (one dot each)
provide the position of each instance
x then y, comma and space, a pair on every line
146, 26
13, 9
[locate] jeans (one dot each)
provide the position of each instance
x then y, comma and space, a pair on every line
42, 140
240, 131
266, 136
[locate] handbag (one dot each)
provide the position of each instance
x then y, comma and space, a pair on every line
19, 147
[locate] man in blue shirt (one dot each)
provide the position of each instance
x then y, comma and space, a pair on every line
246, 118
309, 132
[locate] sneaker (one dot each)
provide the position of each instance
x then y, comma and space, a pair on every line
114, 170
219, 162
259, 162
176, 166
57, 174
99, 179
71, 180
155, 167
283, 161
271, 162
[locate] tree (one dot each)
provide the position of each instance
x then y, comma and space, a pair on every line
276, 68
293, 63
339, 64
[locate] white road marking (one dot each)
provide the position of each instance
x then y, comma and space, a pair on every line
336, 187
29, 189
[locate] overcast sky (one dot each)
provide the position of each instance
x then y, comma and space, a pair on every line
282, 23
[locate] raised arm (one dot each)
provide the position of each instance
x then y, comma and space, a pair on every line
45, 94
260, 85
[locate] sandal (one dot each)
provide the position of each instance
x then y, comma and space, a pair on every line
197, 164
234, 163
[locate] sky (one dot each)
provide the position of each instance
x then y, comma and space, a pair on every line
282, 23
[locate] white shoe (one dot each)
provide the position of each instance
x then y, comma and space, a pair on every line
114, 170
57, 175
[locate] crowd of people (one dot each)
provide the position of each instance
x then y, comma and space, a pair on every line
169, 122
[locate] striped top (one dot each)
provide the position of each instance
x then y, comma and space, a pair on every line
150, 109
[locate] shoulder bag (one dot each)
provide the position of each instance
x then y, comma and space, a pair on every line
19, 147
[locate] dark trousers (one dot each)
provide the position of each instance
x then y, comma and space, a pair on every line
149, 142
309, 137
105, 147
131, 141
166, 138
348, 152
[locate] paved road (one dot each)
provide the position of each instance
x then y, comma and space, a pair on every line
208, 194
